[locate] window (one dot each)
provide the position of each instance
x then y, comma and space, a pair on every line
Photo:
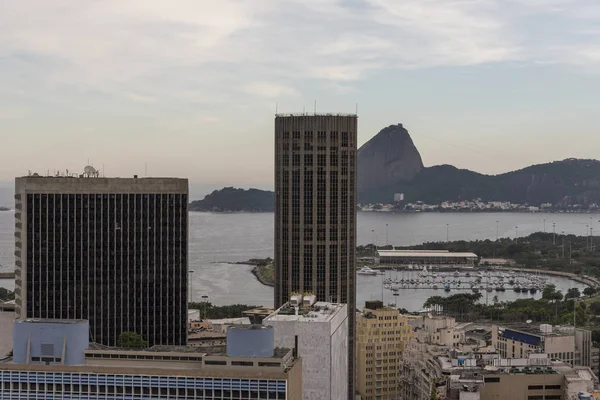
535, 387
491, 379
242, 363
552, 387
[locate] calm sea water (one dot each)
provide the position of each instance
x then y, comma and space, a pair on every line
218, 239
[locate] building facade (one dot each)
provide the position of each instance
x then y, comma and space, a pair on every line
517, 341
109, 250
249, 368
315, 211
381, 335
320, 332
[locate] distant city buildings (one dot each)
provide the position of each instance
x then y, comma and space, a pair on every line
319, 330
315, 212
444, 368
249, 367
109, 250
438, 330
476, 205
381, 335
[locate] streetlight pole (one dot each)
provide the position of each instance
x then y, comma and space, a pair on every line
516, 233
204, 301
554, 233
374, 247
386, 235
447, 233
496, 231
190, 272
563, 245
544, 225
587, 234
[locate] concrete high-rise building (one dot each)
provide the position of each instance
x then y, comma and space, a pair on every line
319, 331
109, 250
381, 334
315, 212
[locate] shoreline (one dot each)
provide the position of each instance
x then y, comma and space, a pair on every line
257, 273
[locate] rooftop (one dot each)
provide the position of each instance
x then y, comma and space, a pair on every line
424, 253
279, 352
53, 321
305, 114
534, 329
319, 312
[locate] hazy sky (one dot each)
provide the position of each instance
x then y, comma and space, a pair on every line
190, 87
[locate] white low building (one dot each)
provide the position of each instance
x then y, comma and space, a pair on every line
319, 331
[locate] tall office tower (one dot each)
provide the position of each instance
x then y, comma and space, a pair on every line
109, 250
315, 212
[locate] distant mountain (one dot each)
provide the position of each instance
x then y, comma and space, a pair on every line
567, 182
389, 158
233, 199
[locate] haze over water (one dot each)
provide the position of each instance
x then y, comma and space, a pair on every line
217, 239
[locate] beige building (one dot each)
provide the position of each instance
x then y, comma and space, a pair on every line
552, 382
518, 341
439, 330
381, 334
315, 211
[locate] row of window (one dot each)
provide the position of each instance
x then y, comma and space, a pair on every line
108, 380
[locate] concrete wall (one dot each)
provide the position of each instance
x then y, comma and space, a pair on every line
7, 320
66, 341
517, 386
323, 347
100, 185
339, 361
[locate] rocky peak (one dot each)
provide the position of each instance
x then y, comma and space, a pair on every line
388, 158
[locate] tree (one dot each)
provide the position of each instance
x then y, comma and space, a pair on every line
589, 291
551, 294
131, 340
573, 293
6, 294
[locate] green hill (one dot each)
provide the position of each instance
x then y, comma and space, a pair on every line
233, 199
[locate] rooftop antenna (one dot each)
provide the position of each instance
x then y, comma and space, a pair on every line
103, 171
315, 107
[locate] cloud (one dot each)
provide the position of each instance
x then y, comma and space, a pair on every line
138, 98
270, 90
202, 49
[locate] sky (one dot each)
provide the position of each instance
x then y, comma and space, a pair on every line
189, 88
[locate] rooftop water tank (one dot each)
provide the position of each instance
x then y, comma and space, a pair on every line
254, 341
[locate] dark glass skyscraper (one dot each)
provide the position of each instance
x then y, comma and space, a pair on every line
110, 250
315, 211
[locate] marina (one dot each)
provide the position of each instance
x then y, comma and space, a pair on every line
410, 289
475, 281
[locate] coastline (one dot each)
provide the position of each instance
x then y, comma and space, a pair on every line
257, 272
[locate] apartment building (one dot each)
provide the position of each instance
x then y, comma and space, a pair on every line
381, 335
